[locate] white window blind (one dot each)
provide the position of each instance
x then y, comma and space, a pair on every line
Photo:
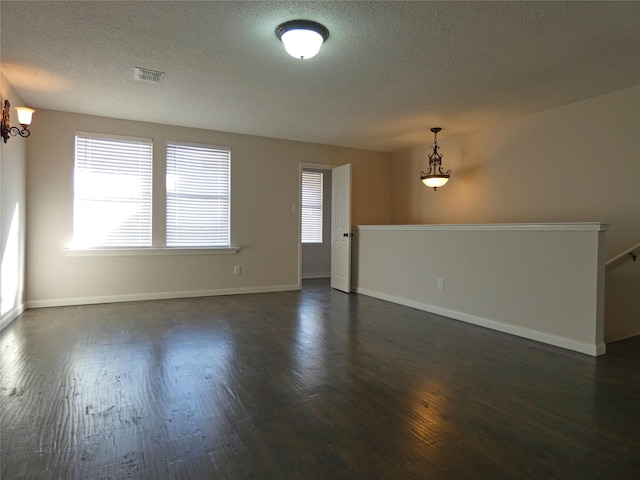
112, 192
198, 196
311, 213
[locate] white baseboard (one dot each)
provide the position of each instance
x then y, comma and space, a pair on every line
311, 276
586, 348
64, 302
11, 315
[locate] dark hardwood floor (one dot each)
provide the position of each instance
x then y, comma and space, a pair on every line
305, 385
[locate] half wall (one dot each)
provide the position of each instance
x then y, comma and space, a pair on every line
544, 282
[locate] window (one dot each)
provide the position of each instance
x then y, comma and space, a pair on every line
112, 191
198, 196
112, 207
311, 207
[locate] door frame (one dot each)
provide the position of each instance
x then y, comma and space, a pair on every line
302, 166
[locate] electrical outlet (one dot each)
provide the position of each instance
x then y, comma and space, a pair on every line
441, 284
237, 270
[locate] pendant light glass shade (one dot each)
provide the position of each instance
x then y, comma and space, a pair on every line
302, 38
435, 181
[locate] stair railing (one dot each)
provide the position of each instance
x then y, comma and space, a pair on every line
631, 252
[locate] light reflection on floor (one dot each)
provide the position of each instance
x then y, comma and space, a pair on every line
310, 344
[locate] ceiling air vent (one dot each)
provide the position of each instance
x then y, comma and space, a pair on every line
147, 75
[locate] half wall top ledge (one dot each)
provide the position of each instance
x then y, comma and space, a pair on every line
571, 226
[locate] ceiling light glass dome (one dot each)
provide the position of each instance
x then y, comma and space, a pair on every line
302, 38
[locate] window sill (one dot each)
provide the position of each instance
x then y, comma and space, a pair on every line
128, 252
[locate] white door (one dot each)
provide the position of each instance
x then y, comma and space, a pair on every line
341, 228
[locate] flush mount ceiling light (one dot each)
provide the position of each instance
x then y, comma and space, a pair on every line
435, 177
302, 38
24, 119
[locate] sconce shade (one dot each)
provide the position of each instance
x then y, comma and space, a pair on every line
302, 38
24, 115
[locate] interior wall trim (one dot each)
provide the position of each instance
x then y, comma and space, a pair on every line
136, 297
586, 348
571, 226
11, 315
312, 276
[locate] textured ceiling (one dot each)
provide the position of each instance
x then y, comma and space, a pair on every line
388, 72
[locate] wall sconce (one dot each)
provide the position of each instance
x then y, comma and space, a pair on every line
435, 177
302, 38
24, 119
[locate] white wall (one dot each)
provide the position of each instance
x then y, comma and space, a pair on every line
13, 162
578, 163
264, 183
542, 168
316, 257
543, 282
622, 306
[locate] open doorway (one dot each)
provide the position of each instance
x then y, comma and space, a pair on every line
315, 221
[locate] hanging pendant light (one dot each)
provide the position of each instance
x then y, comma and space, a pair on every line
435, 177
302, 38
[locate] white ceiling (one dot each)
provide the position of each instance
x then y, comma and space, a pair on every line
388, 72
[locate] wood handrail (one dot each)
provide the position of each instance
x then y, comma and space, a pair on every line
629, 251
